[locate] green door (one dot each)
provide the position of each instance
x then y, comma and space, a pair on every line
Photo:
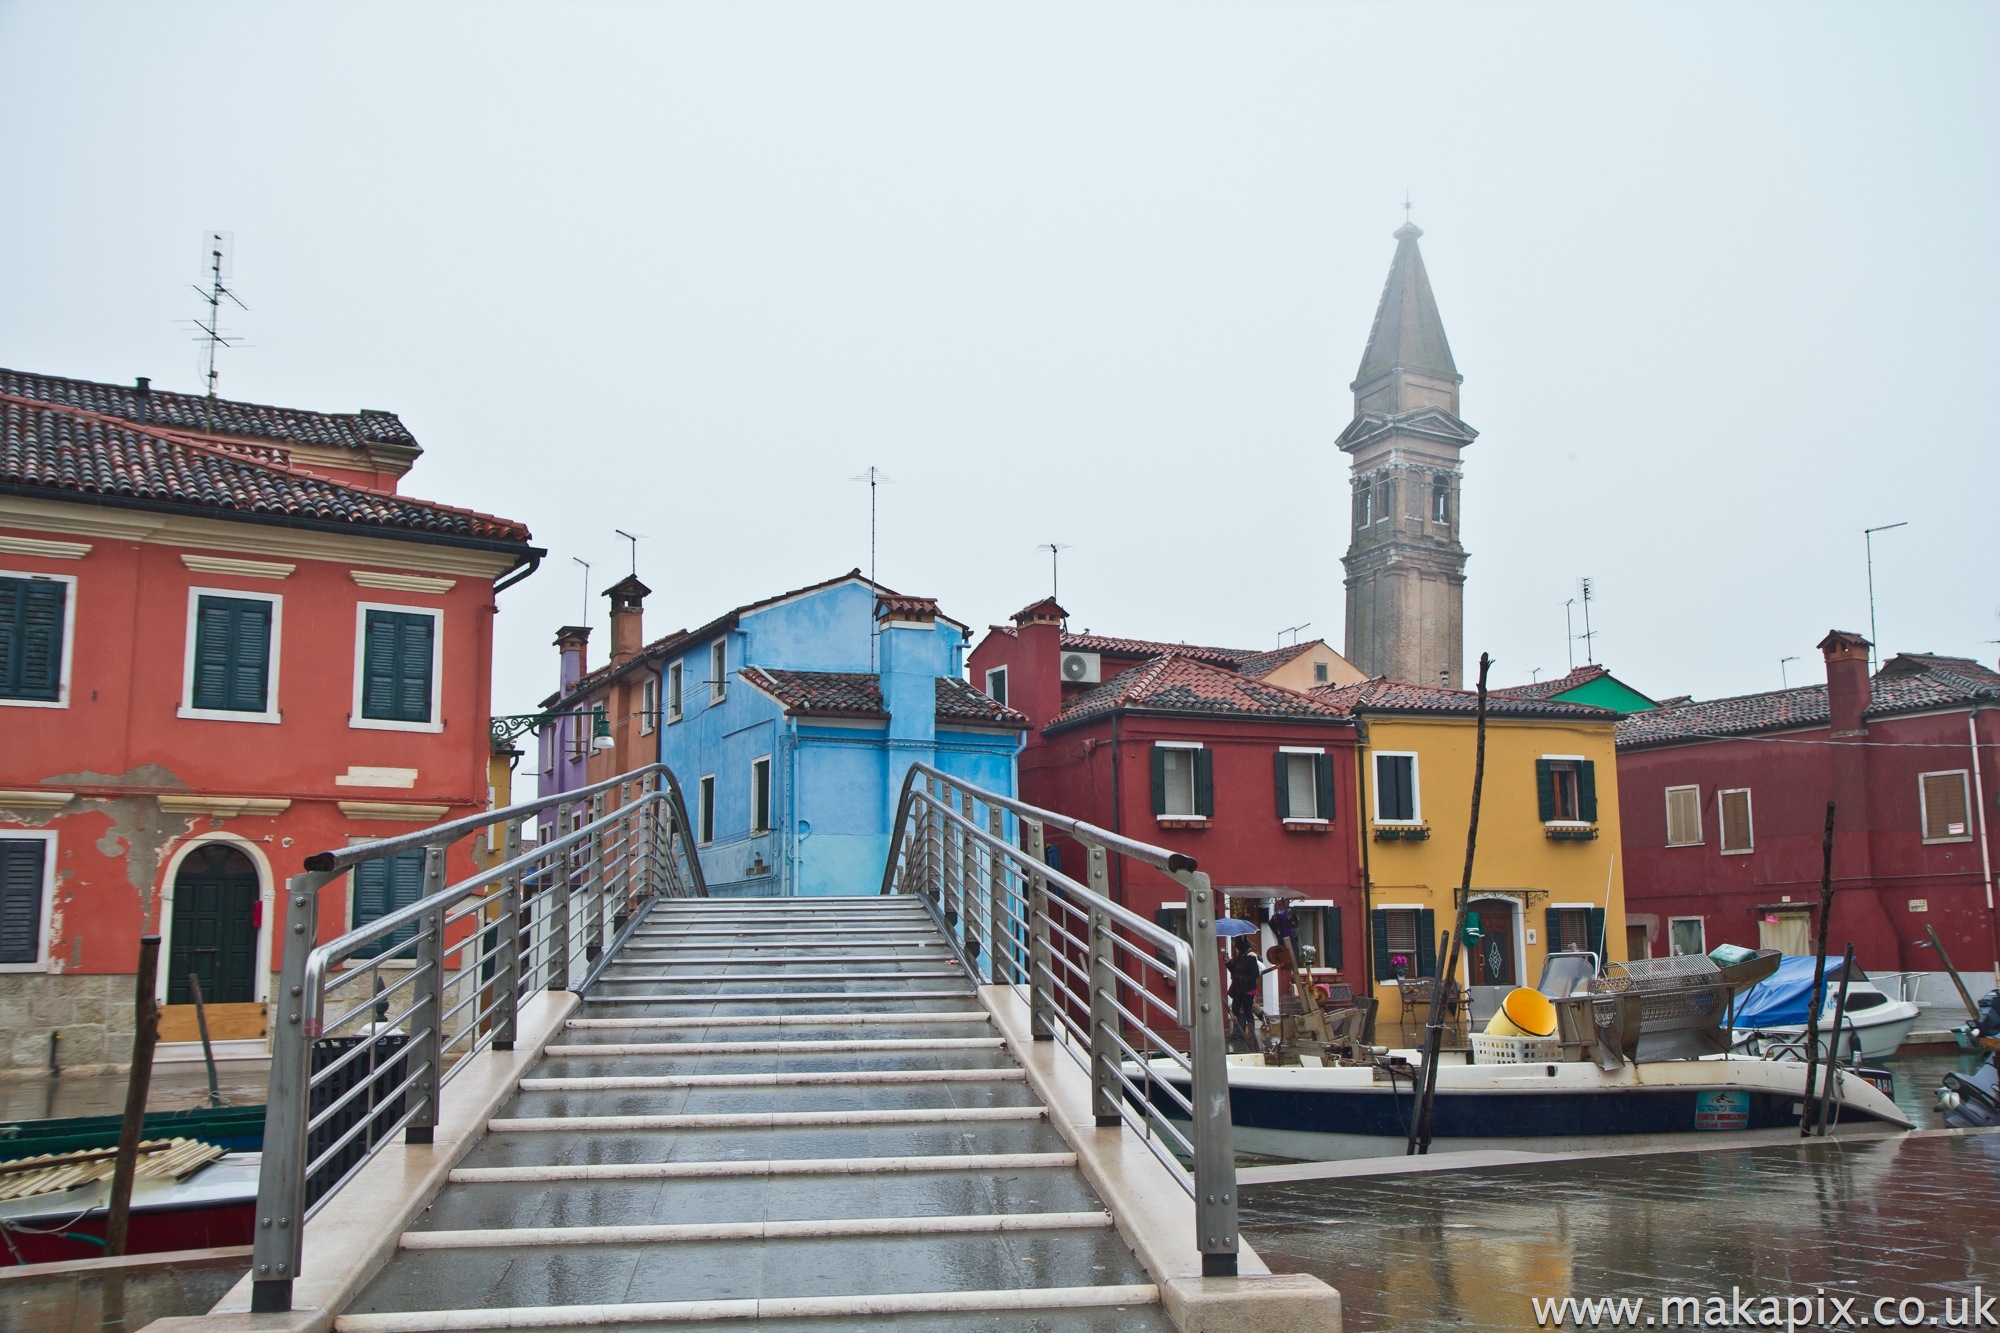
215, 927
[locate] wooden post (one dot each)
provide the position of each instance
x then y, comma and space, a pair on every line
1814, 999
145, 1032
207, 1049
1833, 1041
1971, 1009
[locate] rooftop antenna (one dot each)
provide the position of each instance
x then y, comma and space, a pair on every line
1292, 630
1534, 675
1868, 537
875, 477
1783, 675
634, 539
1589, 646
586, 588
1055, 550
1569, 631
219, 262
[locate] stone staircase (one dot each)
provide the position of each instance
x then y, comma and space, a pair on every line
784, 1109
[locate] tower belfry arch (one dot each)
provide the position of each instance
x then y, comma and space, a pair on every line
1405, 566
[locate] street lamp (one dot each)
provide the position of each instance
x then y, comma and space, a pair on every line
1868, 537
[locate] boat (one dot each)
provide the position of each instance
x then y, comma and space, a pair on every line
1638, 1057
1773, 1012
232, 1128
215, 1204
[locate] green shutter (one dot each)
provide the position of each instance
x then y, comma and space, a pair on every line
1597, 934
1545, 789
1336, 945
396, 666
21, 899
1586, 789
1323, 784
380, 887
232, 654
1284, 785
1552, 929
1427, 945
1204, 783
1159, 781
1378, 930
31, 638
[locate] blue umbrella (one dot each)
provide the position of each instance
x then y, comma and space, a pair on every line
1226, 926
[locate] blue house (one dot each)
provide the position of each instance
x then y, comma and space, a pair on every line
791, 723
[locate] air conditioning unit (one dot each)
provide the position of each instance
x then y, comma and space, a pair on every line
1082, 668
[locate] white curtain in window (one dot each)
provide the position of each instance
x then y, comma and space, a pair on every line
1302, 786
1180, 782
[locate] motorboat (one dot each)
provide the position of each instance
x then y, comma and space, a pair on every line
1774, 1011
214, 1204
1638, 1056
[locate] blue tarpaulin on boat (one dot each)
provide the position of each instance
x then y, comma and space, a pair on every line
1781, 999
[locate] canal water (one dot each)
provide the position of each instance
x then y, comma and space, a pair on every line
1912, 1218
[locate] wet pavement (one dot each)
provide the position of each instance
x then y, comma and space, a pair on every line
1916, 1216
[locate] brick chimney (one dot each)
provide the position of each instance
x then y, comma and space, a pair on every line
573, 642
628, 607
1034, 685
1847, 690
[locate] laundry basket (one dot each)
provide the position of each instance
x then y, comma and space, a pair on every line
1490, 1050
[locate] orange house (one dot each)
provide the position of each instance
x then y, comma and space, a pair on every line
226, 642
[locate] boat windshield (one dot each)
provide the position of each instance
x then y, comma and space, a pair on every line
1567, 974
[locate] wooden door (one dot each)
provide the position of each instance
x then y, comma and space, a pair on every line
214, 927
1637, 945
1492, 955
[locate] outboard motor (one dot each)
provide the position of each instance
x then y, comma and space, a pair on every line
1972, 1101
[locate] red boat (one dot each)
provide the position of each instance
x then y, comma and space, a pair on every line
214, 1206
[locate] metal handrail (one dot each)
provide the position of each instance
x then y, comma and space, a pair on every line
1091, 970
544, 914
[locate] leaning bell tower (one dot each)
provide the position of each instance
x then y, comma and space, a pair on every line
1405, 567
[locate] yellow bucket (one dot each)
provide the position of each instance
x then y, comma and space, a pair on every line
1524, 1013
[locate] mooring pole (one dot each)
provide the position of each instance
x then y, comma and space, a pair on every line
145, 1031
1819, 972
207, 1048
1833, 1040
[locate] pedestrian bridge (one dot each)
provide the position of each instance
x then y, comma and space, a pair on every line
574, 1091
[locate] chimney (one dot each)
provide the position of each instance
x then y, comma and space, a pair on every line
573, 642
142, 388
628, 606
1847, 690
1034, 684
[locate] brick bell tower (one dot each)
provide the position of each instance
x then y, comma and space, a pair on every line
1405, 567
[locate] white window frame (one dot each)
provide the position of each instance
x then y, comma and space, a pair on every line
1316, 817
271, 713
676, 693
704, 814
48, 838
354, 718
1417, 925
649, 703
1749, 821
1194, 797
1699, 921
718, 670
1700, 833
68, 635
1924, 804
1567, 759
1416, 788
1001, 672
770, 795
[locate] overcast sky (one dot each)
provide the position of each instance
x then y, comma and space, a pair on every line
1721, 281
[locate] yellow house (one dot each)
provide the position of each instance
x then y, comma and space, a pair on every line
1545, 875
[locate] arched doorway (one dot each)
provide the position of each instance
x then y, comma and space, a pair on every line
214, 927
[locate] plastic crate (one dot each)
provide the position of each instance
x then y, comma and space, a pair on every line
1490, 1050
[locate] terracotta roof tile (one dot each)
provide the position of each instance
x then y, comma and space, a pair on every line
1263, 664
1908, 683
836, 693
67, 451
960, 702
1116, 647
1548, 689
1187, 685
1380, 695
195, 413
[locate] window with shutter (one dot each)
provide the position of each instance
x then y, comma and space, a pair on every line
996, 685
760, 795
1737, 836
674, 692
398, 656
649, 705
33, 621
705, 813
1559, 787
23, 870
1683, 816
230, 666
1946, 817
718, 670
382, 886
1177, 781
1302, 786
1396, 789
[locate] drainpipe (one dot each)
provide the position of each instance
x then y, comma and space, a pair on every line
1985, 857
1118, 819
1367, 877
792, 808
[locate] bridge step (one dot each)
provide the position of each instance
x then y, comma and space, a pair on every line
777, 997
587, 1124
780, 1020
782, 1166
642, 1082
803, 1046
804, 945
787, 1307
684, 1232
690, 977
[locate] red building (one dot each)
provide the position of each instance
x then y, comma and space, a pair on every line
1190, 748
1724, 808
226, 643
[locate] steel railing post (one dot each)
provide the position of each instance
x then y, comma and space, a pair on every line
426, 1015
1104, 1052
1214, 1153
507, 958
968, 870
949, 847
999, 939
1041, 1006
281, 1180
559, 914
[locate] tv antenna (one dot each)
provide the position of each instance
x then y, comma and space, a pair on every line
1569, 631
219, 262
1055, 550
1292, 630
1589, 635
635, 539
1534, 675
875, 477
1868, 539
1783, 676
586, 588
